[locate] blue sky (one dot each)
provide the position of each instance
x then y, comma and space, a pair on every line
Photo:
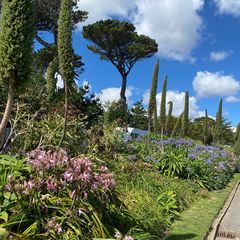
199, 50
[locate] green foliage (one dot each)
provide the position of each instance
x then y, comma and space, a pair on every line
32, 207
16, 40
65, 52
237, 146
142, 186
155, 120
209, 167
169, 203
237, 133
172, 161
185, 120
219, 123
116, 111
177, 127
162, 118
169, 119
138, 116
51, 78
119, 43
205, 128
152, 105
46, 20
31, 130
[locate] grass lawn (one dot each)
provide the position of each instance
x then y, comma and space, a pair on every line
195, 222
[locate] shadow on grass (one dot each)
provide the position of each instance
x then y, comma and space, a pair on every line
181, 236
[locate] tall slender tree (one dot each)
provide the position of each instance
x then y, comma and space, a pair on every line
65, 54
119, 43
16, 41
205, 128
219, 124
177, 126
152, 105
51, 77
169, 118
155, 119
185, 120
162, 118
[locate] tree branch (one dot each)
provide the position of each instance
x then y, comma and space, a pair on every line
41, 41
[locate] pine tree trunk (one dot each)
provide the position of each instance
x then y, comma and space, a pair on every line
65, 114
123, 89
7, 112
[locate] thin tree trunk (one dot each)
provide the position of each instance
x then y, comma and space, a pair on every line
123, 89
7, 112
65, 114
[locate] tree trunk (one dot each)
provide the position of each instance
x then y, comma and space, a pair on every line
123, 89
65, 114
7, 112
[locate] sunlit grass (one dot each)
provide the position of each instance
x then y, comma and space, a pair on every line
196, 221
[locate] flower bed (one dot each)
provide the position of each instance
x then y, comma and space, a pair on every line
211, 167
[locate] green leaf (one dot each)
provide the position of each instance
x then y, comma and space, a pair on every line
7, 195
4, 216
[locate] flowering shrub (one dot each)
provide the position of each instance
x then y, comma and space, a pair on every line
62, 198
209, 166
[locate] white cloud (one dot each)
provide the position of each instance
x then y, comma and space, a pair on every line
231, 7
113, 94
232, 99
219, 56
174, 24
208, 84
178, 99
59, 81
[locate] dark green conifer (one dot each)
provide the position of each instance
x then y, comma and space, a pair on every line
169, 118
16, 41
65, 54
162, 118
185, 120
152, 106
219, 124
177, 126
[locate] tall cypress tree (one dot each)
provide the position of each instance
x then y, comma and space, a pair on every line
177, 126
65, 54
152, 106
16, 41
162, 118
218, 125
169, 117
205, 128
184, 130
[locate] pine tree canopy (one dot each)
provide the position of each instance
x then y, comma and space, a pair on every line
119, 43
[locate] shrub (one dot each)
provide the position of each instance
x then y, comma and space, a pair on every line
62, 198
210, 167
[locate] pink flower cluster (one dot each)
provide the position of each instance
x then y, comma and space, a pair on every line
44, 160
55, 171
